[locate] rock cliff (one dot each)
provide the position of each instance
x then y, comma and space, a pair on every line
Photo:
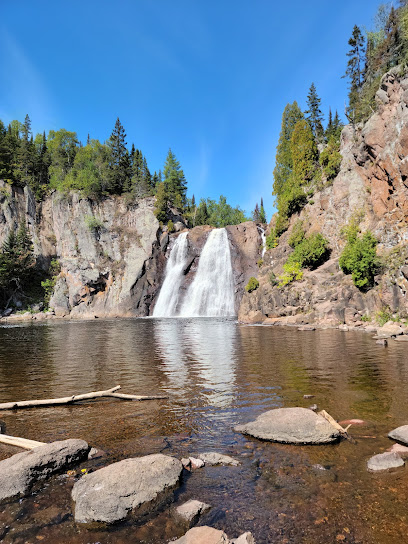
372, 185
112, 254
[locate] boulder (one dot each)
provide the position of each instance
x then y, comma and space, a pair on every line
213, 458
403, 338
196, 463
133, 485
390, 329
203, 535
384, 461
382, 342
291, 426
400, 434
191, 510
19, 472
400, 450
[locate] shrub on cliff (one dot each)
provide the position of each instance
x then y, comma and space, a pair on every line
330, 159
359, 258
292, 271
311, 252
252, 285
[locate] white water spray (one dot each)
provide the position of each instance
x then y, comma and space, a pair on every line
263, 236
212, 291
166, 305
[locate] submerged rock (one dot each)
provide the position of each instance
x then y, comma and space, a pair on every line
400, 434
19, 472
384, 461
213, 458
111, 493
191, 510
245, 538
291, 426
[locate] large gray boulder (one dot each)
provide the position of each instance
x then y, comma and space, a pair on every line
400, 434
19, 472
133, 485
190, 511
291, 426
203, 535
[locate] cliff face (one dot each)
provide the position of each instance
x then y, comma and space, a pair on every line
112, 255
372, 185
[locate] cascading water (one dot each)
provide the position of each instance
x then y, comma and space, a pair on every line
212, 291
263, 236
166, 305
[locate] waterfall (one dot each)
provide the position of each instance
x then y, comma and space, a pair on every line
212, 290
262, 231
166, 305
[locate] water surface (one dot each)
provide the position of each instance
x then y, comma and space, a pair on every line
216, 374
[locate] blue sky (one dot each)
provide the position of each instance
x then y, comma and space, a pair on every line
208, 79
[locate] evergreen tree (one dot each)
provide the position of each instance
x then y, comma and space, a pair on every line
255, 214
119, 159
161, 204
314, 114
329, 128
175, 181
291, 115
304, 153
355, 73
262, 215
202, 215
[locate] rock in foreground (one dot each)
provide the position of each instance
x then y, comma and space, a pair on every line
208, 535
213, 458
384, 461
190, 511
400, 434
111, 493
19, 472
291, 426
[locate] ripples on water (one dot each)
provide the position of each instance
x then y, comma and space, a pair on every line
216, 373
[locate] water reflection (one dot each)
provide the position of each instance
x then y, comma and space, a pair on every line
198, 352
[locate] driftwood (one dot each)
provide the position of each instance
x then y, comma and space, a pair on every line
77, 398
20, 442
337, 426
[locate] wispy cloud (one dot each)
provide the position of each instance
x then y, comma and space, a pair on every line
24, 89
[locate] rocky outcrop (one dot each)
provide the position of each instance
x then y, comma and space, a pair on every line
291, 426
112, 254
372, 186
134, 485
21, 471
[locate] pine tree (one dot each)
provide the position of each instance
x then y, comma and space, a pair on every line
161, 204
262, 215
291, 115
175, 181
255, 214
119, 159
329, 128
202, 215
314, 114
355, 73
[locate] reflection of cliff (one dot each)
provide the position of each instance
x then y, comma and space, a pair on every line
198, 354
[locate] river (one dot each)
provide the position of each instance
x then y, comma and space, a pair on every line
216, 373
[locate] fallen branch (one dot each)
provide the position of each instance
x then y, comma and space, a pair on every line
20, 442
77, 398
336, 425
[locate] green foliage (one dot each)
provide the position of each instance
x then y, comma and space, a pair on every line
93, 223
170, 227
304, 153
365, 318
174, 181
382, 316
359, 257
311, 251
313, 113
292, 271
330, 159
218, 214
17, 264
297, 235
48, 285
252, 285
160, 206
260, 263
272, 240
